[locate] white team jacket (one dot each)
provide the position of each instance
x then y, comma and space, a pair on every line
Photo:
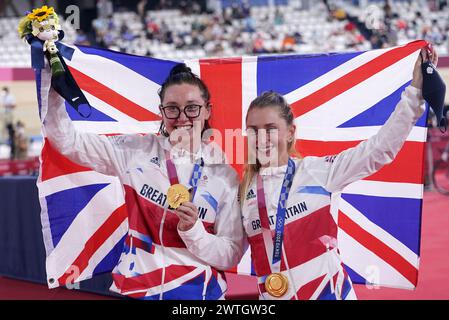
159, 261
310, 258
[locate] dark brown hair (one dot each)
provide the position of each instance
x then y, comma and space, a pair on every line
181, 74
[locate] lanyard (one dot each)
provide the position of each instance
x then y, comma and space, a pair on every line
173, 175
273, 246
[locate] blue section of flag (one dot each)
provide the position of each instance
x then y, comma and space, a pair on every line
284, 74
379, 113
145, 238
155, 70
327, 294
313, 190
110, 260
400, 217
126, 248
211, 200
346, 288
213, 291
153, 297
190, 290
65, 51
94, 116
354, 276
37, 73
64, 206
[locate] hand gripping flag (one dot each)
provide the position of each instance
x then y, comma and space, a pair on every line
339, 99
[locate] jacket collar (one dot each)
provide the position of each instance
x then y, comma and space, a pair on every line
209, 151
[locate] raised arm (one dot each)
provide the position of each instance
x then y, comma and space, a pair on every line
336, 172
107, 155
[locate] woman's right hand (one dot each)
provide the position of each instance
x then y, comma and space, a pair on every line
427, 53
188, 215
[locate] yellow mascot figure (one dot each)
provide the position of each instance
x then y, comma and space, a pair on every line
41, 29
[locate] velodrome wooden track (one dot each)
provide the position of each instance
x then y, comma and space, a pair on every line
433, 280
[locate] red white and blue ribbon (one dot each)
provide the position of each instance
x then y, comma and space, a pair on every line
173, 175
273, 246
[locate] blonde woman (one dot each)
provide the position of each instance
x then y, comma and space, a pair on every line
286, 200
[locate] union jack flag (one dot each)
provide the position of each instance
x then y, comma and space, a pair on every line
339, 99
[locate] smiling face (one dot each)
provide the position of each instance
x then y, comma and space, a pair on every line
182, 95
47, 31
270, 134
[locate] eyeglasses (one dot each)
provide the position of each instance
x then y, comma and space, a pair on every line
173, 112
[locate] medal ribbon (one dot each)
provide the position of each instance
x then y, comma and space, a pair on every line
173, 175
273, 246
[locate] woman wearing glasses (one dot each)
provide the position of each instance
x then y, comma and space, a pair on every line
184, 221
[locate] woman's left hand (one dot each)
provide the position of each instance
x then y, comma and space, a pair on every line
427, 53
188, 214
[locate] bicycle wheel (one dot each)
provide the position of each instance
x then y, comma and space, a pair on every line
440, 177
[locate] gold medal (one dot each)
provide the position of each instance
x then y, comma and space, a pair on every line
276, 284
177, 194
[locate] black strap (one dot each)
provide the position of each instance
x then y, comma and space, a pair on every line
67, 87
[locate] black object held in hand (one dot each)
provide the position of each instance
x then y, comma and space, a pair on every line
434, 91
56, 66
66, 86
